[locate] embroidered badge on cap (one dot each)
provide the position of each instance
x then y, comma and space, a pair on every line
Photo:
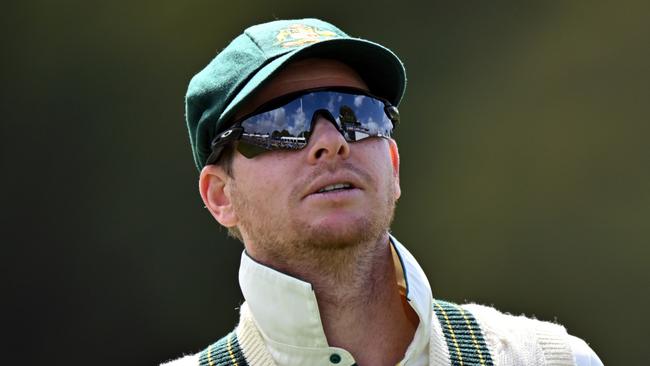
300, 34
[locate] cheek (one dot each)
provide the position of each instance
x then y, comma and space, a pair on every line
260, 183
385, 158
389, 171
379, 163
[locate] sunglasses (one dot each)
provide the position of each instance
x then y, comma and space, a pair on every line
286, 122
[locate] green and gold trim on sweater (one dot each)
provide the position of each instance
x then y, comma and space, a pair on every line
464, 337
224, 352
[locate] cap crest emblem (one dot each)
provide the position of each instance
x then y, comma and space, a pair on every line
299, 34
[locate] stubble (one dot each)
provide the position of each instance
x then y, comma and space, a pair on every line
296, 246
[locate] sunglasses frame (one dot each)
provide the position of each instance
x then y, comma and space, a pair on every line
235, 131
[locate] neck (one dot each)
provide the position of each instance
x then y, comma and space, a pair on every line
359, 301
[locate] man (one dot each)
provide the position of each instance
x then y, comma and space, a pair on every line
291, 128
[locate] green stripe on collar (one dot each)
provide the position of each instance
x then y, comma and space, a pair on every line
464, 337
224, 352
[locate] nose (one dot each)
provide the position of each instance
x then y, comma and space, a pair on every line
326, 142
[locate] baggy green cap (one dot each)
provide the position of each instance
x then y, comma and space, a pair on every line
251, 59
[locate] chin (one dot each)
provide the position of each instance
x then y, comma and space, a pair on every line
341, 233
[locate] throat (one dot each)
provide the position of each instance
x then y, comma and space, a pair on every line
375, 306
383, 328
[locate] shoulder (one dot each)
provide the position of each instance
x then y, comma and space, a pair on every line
533, 340
482, 332
525, 338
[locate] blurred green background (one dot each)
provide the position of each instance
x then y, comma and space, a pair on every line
525, 168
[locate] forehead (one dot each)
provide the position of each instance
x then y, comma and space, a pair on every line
304, 74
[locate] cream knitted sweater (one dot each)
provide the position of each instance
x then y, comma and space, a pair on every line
511, 340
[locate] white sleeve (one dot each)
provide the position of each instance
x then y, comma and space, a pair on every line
582, 353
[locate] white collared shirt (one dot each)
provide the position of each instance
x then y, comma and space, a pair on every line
286, 312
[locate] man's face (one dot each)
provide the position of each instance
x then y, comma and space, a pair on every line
275, 196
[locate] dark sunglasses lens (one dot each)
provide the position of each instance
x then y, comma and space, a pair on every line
282, 128
289, 126
361, 116
289, 120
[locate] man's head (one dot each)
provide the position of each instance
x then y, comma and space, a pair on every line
277, 199
273, 198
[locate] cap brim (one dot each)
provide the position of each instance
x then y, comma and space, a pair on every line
379, 67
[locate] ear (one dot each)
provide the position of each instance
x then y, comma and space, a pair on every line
214, 186
394, 157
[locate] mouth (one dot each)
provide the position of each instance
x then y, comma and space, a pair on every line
335, 187
340, 185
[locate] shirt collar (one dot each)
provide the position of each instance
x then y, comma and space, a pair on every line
286, 312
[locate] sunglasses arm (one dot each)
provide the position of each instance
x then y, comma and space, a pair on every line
230, 135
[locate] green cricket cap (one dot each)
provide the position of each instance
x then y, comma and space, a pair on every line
254, 57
